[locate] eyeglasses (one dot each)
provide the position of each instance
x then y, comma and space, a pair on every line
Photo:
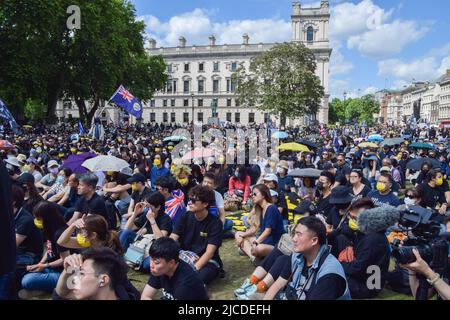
194, 199
411, 196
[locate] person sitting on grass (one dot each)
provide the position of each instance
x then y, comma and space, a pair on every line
200, 232
259, 245
98, 273
175, 277
270, 269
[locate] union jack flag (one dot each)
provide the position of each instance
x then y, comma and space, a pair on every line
175, 206
125, 94
124, 99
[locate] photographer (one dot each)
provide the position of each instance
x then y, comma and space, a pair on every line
434, 279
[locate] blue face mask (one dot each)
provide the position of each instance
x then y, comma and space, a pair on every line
60, 180
237, 174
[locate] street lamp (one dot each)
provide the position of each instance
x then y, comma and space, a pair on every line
192, 97
345, 106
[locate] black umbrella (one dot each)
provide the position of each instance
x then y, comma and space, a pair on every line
307, 143
305, 173
416, 164
392, 142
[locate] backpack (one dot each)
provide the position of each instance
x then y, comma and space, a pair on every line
138, 251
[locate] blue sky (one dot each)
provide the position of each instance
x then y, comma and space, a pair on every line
376, 44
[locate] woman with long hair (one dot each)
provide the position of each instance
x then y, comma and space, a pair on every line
92, 231
44, 275
239, 185
259, 243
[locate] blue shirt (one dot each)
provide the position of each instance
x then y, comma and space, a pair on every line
272, 219
389, 198
157, 173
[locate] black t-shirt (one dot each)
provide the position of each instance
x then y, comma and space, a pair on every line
364, 192
329, 287
139, 197
95, 205
432, 195
185, 284
163, 221
24, 226
31, 203
324, 206
54, 250
196, 235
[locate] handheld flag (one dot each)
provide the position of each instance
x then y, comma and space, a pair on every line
80, 127
5, 114
124, 99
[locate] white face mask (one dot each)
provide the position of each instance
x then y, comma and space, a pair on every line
280, 170
409, 201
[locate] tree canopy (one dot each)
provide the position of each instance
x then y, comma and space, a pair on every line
358, 109
281, 81
44, 61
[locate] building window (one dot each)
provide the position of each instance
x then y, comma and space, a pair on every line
200, 102
215, 86
186, 86
229, 116
232, 85
201, 86
310, 34
164, 102
228, 102
251, 117
152, 117
201, 67
237, 117
172, 117
266, 117
169, 68
152, 103
185, 117
172, 102
174, 85
237, 103
233, 66
200, 117
165, 116
186, 67
216, 67
186, 103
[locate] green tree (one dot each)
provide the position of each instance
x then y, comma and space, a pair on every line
46, 61
361, 109
35, 110
281, 81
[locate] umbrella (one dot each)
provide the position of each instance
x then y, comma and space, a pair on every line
27, 126
416, 164
5, 144
393, 142
280, 135
368, 145
305, 173
307, 143
199, 153
421, 145
105, 163
75, 161
174, 138
375, 138
292, 146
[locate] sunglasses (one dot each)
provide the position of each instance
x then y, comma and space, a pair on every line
193, 200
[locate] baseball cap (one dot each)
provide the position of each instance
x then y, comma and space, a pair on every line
52, 163
271, 177
25, 178
137, 177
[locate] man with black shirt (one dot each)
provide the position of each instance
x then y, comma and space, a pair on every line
313, 273
174, 276
139, 190
90, 202
434, 192
324, 185
200, 232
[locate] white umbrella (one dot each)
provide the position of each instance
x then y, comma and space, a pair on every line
105, 163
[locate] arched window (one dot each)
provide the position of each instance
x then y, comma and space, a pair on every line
310, 34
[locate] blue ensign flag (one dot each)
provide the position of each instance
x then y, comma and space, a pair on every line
5, 114
124, 99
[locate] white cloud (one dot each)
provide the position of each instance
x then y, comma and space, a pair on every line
196, 26
349, 19
338, 64
371, 90
442, 51
425, 69
387, 39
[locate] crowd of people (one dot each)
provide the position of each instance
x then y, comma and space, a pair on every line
310, 236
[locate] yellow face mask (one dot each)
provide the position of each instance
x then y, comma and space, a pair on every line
157, 162
61, 155
134, 187
157, 149
73, 150
39, 223
183, 182
221, 160
381, 187
110, 173
353, 224
440, 182
170, 148
173, 168
26, 168
83, 241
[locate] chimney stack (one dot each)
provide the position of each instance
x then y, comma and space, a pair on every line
212, 40
152, 43
296, 8
182, 42
245, 39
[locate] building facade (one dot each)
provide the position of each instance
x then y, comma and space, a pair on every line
200, 76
